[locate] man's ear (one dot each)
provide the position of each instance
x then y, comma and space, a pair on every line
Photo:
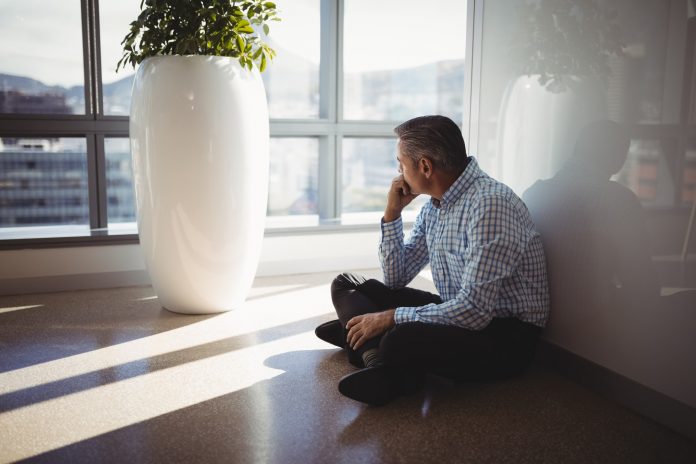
425, 166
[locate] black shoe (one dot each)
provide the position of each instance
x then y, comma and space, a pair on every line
331, 332
372, 385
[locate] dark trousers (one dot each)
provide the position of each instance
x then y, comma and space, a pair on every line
503, 349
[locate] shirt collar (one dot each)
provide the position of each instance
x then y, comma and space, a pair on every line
461, 185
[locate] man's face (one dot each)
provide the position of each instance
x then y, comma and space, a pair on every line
409, 169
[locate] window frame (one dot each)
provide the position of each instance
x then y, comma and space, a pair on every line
330, 128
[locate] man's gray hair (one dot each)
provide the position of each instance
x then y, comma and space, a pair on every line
437, 138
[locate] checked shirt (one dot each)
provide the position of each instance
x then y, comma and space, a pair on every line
485, 256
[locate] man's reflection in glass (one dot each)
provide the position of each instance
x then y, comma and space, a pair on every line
594, 231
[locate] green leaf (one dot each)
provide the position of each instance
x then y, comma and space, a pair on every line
219, 27
262, 68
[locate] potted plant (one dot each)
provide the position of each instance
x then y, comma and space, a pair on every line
199, 140
560, 59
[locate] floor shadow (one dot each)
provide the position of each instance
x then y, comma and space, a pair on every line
299, 416
78, 322
50, 390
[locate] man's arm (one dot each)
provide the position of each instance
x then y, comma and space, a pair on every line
496, 239
400, 261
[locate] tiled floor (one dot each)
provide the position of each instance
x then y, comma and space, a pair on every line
109, 376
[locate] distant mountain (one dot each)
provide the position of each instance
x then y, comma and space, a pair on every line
120, 88
29, 85
292, 85
115, 93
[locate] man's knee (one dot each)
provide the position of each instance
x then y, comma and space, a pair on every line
346, 281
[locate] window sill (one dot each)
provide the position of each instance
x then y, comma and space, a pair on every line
127, 234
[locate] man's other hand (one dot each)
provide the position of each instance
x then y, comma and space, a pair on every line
398, 198
362, 328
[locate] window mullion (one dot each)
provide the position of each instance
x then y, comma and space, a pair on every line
96, 61
87, 27
329, 175
471, 26
92, 181
95, 141
476, 24
327, 178
328, 60
338, 53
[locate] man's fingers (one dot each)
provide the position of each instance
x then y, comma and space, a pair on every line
353, 321
352, 335
357, 340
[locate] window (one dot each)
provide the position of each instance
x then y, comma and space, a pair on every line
41, 66
293, 180
114, 17
120, 203
415, 67
369, 165
335, 92
292, 81
43, 182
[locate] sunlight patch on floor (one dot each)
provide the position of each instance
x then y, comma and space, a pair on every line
59, 422
9, 309
273, 310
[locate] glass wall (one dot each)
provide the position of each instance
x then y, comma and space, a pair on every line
586, 111
555, 67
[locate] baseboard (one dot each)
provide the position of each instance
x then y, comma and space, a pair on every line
62, 283
657, 406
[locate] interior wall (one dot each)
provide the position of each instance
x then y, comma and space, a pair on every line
611, 201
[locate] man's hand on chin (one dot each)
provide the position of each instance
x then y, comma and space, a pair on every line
370, 325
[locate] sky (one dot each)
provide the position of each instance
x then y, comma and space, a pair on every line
43, 38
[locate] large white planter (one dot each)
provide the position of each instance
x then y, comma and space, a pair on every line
199, 141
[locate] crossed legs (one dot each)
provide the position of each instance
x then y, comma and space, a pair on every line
408, 351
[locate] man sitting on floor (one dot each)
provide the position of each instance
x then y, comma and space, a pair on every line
487, 264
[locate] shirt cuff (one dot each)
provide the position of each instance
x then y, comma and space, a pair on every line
405, 314
392, 230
